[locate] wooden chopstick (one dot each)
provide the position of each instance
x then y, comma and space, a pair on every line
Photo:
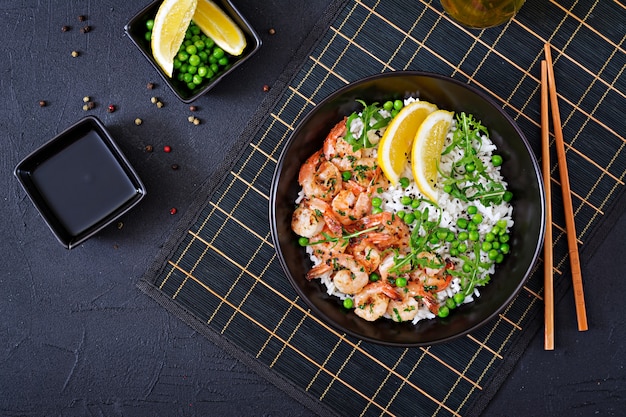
548, 260
570, 227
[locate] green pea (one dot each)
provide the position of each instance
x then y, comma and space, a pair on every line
442, 234
388, 105
455, 244
463, 236
197, 80
433, 239
401, 214
208, 42
204, 57
406, 200
450, 303
404, 182
499, 258
486, 246
218, 53
183, 56
508, 196
374, 277
489, 237
502, 224
477, 218
376, 210
505, 248
504, 238
496, 160
191, 49
177, 64
401, 282
377, 201
194, 29
192, 69
470, 167
348, 303
495, 230
462, 247
303, 241
394, 113
179, 76
450, 237
191, 86
472, 226
466, 267
196, 34
346, 175
398, 104
459, 297
474, 236
493, 254
188, 77
447, 188
199, 44
444, 311
149, 24
454, 252
185, 44
472, 209
223, 61
415, 204
148, 36
203, 71
495, 244
194, 60
461, 223
215, 68
184, 67
409, 218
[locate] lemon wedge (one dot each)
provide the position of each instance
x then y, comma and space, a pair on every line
426, 152
170, 24
395, 145
220, 27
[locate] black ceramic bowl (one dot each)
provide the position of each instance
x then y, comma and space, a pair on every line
136, 30
520, 170
80, 181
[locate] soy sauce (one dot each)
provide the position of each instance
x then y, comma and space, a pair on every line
83, 184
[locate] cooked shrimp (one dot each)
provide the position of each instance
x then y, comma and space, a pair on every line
372, 301
310, 217
349, 207
388, 263
323, 248
417, 291
433, 273
404, 309
319, 178
366, 254
337, 150
388, 223
349, 276
367, 173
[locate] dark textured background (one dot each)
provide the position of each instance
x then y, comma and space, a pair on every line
76, 335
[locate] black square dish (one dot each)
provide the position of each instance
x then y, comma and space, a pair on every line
80, 181
136, 31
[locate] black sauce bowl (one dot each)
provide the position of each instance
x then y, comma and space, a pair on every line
520, 169
136, 29
80, 181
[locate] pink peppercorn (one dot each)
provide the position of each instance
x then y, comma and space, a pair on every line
167, 149
173, 210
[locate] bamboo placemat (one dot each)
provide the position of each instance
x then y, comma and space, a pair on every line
219, 272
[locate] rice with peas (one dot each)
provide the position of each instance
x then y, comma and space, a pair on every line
405, 197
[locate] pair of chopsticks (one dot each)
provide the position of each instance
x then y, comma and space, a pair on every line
548, 89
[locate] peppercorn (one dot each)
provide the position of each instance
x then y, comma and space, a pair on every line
174, 167
272, 31
85, 29
150, 86
193, 108
266, 88
42, 103
91, 105
148, 148
65, 28
81, 18
111, 108
167, 149
138, 121
75, 54
173, 210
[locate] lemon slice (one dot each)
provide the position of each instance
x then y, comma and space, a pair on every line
170, 24
427, 148
219, 26
395, 145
